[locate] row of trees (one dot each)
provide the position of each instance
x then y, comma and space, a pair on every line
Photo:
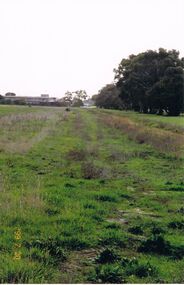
150, 82
74, 99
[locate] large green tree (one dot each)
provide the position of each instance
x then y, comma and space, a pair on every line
152, 81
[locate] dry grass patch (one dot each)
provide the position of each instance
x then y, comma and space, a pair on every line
92, 171
162, 140
77, 154
20, 132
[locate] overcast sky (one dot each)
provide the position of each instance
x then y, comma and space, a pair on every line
51, 46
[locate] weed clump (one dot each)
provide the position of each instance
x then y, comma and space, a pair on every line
176, 225
176, 188
54, 247
106, 198
40, 255
77, 154
156, 230
52, 211
75, 243
157, 244
89, 206
181, 210
91, 171
69, 185
108, 255
112, 237
107, 274
24, 271
133, 267
137, 230
121, 269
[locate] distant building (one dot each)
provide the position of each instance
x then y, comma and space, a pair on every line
45, 95
88, 103
11, 94
43, 99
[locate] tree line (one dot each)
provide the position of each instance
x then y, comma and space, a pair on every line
73, 99
150, 82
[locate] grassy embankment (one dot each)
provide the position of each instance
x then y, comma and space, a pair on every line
97, 196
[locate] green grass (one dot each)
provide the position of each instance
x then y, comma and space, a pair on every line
77, 186
176, 121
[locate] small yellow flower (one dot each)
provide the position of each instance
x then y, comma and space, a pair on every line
18, 234
18, 245
17, 255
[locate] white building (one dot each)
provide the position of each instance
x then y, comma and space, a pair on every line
43, 99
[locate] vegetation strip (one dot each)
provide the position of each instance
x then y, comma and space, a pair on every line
91, 204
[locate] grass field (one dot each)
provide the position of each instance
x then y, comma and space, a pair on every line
90, 196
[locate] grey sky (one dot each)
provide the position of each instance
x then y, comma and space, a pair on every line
51, 46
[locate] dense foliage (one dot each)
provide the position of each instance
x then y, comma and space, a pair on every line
150, 82
108, 97
74, 99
